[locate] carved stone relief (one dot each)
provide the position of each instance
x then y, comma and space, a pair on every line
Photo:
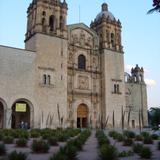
83, 82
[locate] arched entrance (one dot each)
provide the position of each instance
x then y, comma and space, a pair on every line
82, 116
21, 113
1, 115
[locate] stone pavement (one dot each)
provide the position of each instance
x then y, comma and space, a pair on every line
90, 149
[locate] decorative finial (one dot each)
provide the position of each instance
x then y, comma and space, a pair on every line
104, 7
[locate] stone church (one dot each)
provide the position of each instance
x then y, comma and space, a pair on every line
70, 75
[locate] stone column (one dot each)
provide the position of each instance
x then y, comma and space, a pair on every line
8, 118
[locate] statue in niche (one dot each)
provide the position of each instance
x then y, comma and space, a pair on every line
94, 63
70, 57
83, 82
74, 39
82, 38
89, 42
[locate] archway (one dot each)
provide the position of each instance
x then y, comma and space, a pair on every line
21, 112
82, 116
1, 115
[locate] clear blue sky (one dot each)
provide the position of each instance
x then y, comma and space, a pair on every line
140, 32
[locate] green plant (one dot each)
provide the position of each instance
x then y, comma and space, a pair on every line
129, 134
145, 134
17, 156
71, 151
148, 140
146, 153
127, 142
137, 147
53, 141
158, 146
8, 139
125, 154
2, 149
154, 136
108, 152
40, 146
22, 142
35, 133
61, 155
139, 138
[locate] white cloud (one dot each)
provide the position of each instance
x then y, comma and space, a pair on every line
128, 68
150, 82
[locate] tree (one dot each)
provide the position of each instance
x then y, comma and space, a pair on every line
154, 116
156, 7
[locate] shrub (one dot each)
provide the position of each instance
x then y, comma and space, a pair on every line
102, 138
120, 137
158, 145
8, 139
146, 153
113, 134
17, 156
148, 140
145, 134
61, 155
129, 134
2, 149
63, 137
71, 151
125, 154
127, 142
53, 141
22, 142
137, 147
139, 138
35, 133
40, 146
154, 136
108, 152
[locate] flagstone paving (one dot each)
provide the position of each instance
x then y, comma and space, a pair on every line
90, 150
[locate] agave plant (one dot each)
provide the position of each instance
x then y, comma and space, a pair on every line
156, 7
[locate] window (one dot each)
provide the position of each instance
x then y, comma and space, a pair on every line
61, 23
81, 62
46, 79
112, 39
116, 89
52, 23
43, 13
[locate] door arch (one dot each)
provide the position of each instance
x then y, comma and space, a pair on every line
82, 116
21, 112
1, 115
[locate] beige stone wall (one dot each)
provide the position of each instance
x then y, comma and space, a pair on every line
17, 78
112, 73
137, 100
51, 60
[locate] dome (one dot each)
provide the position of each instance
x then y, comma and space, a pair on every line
105, 13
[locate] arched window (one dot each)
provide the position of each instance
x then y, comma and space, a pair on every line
44, 79
61, 23
48, 79
112, 39
81, 62
43, 24
52, 23
43, 13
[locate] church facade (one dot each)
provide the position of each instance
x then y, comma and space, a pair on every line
70, 75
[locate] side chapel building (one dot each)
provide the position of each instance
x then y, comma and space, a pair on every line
69, 75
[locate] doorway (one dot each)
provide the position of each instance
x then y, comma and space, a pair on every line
20, 115
82, 116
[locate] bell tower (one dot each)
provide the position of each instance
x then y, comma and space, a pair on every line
47, 17
108, 29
